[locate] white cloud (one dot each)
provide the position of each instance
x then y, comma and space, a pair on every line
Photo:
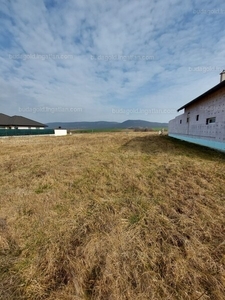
179, 36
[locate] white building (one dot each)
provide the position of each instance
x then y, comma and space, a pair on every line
18, 122
8, 124
203, 120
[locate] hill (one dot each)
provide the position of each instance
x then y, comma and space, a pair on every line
111, 216
142, 124
107, 125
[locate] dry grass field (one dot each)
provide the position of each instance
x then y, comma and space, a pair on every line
111, 216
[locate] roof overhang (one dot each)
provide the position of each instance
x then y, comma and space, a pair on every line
209, 92
6, 120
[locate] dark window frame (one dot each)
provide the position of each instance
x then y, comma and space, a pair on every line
210, 120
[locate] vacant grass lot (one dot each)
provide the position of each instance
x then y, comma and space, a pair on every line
111, 216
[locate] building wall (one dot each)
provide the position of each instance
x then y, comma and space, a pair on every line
20, 127
25, 127
191, 126
60, 132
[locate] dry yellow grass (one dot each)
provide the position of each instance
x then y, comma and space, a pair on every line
111, 216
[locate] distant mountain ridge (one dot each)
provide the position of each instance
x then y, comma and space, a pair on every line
107, 125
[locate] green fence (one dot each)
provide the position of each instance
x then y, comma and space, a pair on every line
13, 132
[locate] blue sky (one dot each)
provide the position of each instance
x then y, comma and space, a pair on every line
89, 60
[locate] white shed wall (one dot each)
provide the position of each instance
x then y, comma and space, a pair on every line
60, 132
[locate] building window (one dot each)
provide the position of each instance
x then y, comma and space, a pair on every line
180, 121
188, 120
210, 120
197, 117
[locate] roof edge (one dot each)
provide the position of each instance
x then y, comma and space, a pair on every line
212, 90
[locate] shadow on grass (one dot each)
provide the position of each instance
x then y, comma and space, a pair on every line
154, 145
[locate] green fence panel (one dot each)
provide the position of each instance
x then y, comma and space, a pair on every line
16, 132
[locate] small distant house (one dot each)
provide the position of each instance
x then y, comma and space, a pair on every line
18, 122
203, 120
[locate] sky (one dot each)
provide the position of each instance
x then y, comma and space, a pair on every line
91, 60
